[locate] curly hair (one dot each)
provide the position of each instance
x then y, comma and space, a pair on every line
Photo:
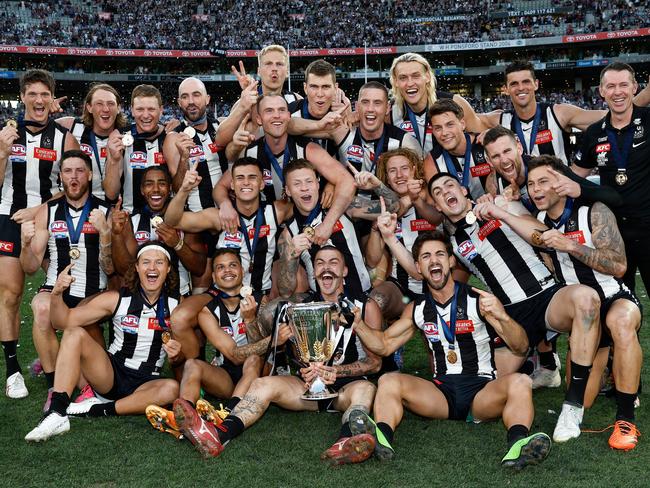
132, 279
414, 160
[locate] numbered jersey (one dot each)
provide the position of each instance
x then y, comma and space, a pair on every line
32, 173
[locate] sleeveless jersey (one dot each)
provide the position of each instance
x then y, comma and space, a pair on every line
83, 135
138, 157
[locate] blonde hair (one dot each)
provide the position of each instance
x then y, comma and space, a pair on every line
407, 58
271, 48
414, 160
87, 117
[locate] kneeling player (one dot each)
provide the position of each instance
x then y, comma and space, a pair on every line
459, 323
344, 373
128, 373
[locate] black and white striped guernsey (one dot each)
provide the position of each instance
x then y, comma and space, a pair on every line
479, 169
344, 238
144, 232
138, 157
364, 155
571, 270
212, 164
83, 135
32, 173
274, 186
550, 136
399, 117
135, 337
502, 260
89, 278
473, 340
260, 277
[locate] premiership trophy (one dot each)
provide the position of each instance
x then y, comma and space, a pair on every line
311, 324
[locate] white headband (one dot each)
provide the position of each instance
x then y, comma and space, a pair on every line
154, 247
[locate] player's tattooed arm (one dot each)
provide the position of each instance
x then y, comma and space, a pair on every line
258, 348
361, 367
288, 265
609, 255
363, 207
249, 409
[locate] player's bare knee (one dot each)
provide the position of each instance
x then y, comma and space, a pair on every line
168, 391
587, 305
390, 382
623, 330
253, 365
192, 368
520, 383
181, 320
10, 296
41, 311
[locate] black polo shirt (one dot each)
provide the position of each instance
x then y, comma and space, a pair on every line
634, 213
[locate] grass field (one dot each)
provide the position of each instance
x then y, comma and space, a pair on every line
283, 448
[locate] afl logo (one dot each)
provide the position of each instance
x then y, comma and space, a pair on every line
355, 153
196, 151
142, 236
18, 150
138, 157
130, 324
467, 250
59, 228
86, 149
406, 126
268, 179
228, 330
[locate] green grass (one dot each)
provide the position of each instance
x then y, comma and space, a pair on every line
283, 448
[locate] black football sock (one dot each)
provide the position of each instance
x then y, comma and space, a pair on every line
547, 360
386, 430
345, 430
11, 357
102, 410
625, 406
232, 403
49, 378
579, 376
515, 433
59, 403
231, 427
526, 368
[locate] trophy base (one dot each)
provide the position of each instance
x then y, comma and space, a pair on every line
324, 395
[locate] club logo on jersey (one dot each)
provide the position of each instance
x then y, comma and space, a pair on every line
130, 324
421, 225
268, 178
480, 170
638, 132
354, 154
18, 153
45, 154
577, 236
152, 324
88, 150
464, 326
59, 229
467, 250
138, 159
232, 239
601, 159
265, 230
431, 331
89, 228
142, 236
488, 228
544, 137
6, 246
600, 148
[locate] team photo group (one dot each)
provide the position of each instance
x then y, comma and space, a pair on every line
198, 271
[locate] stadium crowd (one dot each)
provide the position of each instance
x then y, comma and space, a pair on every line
190, 25
236, 230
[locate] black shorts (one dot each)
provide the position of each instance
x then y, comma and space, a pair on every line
460, 390
9, 237
125, 380
68, 299
326, 404
531, 314
605, 336
235, 371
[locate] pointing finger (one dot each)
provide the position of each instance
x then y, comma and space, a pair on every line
483, 293
383, 204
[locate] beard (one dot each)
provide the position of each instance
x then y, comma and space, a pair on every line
441, 285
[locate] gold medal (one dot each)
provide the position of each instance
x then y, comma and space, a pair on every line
12, 123
166, 336
156, 221
536, 238
309, 231
621, 177
452, 357
74, 253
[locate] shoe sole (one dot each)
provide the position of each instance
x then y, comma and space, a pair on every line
355, 451
206, 448
534, 452
360, 423
208, 412
157, 417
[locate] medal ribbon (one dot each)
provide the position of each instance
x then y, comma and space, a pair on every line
533, 133
142, 135
449, 330
22, 122
74, 233
274, 161
621, 157
312, 215
566, 213
468, 156
200, 121
379, 147
244, 230
414, 123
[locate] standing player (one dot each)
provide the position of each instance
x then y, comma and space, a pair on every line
586, 247
73, 228
141, 146
459, 324
102, 116
345, 373
128, 373
30, 152
619, 147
